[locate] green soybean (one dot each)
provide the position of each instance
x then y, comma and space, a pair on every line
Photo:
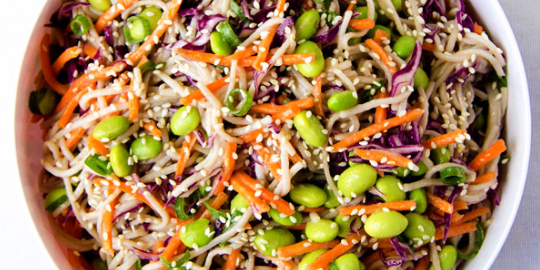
185, 120
343, 100
239, 204
397, 5
363, 13
152, 14
269, 242
310, 128
322, 231
344, 224
55, 198
42, 101
371, 33
421, 79
420, 197
331, 201
356, 180
348, 262
111, 128
218, 44
308, 195
384, 224
404, 46
146, 147
440, 155
420, 229
391, 188
422, 169
307, 24
197, 233
285, 220
453, 175
316, 67
401, 172
101, 5
119, 161
309, 258
448, 257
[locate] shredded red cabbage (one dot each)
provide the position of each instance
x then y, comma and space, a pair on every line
326, 35
405, 76
401, 251
144, 254
448, 217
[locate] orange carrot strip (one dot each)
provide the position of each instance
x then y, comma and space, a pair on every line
127, 189
439, 203
299, 227
267, 195
380, 112
325, 259
423, 263
392, 158
372, 208
456, 230
286, 60
244, 59
157, 246
376, 128
67, 55
428, 46
252, 135
264, 153
317, 94
109, 15
272, 108
108, 217
445, 139
228, 166
490, 153
459, 205
248, 194
175, 244
185, 151
198, 95
351, 6
385, 58
285, 115
371, 259
46, 68
484, 178
381, 36
220, 199
71, 106
75, 137
304, 247
98, 146
232, 260
478, 29
133, 103
264, 46
152, 128
362, 24
473, 214
89, 50
283, 265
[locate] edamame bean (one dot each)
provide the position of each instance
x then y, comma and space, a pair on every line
111, 128
146, 147
356, 180
119, 161
308, 195
421, 79
343, 100
448, 257
348, 262
422, 169
364, 13
316, 67
344, 224
99, 264
371, 33
397, 5
331, 201
307, 24
322, 231
401, 172
101, 5
310, 128
384, 224
185, 120
43, 101
391, 188
152, 14
420, 229
404, 46
197, 233
440, 155
420, 197
309, 258
285, 220
218, 44
269, 242
239, 204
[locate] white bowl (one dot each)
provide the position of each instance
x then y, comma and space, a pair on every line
517, 136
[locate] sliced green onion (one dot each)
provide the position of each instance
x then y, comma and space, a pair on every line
239, 101
42, 101
238, 11
228, 33
80, 25
178, 264
99, 165
180, 209
453, 175
149, 66
55, 198
215, 213
152, 14
137, 29
138, 264
478, 241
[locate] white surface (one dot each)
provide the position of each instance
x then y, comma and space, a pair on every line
21, 247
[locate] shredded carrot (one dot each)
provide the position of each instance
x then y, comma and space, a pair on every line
473, 214
490, 153
185, 151
362, 24
67, 55
89, 50
314, 210
460, 205
423, 263
232, 260
371, 259
175, 244
272, 108
97, 146
152, 128
264, 153
372, 208
249, 194
385, 58
264, 46
157, 246
304, 247
299, 227
283, 265
456, 230
46, 68
109, 15
244, 59
351, 6
108, 217
267, 195
381, 36
484, 178
317, 94
325, 259
228, 166
129, 190
75, 137
445, 139
133, 103
198, 95
478, 29
380, 112
252, 135
70, 109
439, 203
376, 128
428, 46
384, 156
220, 199
455, 215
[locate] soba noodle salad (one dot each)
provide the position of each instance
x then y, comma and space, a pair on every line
269, 134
